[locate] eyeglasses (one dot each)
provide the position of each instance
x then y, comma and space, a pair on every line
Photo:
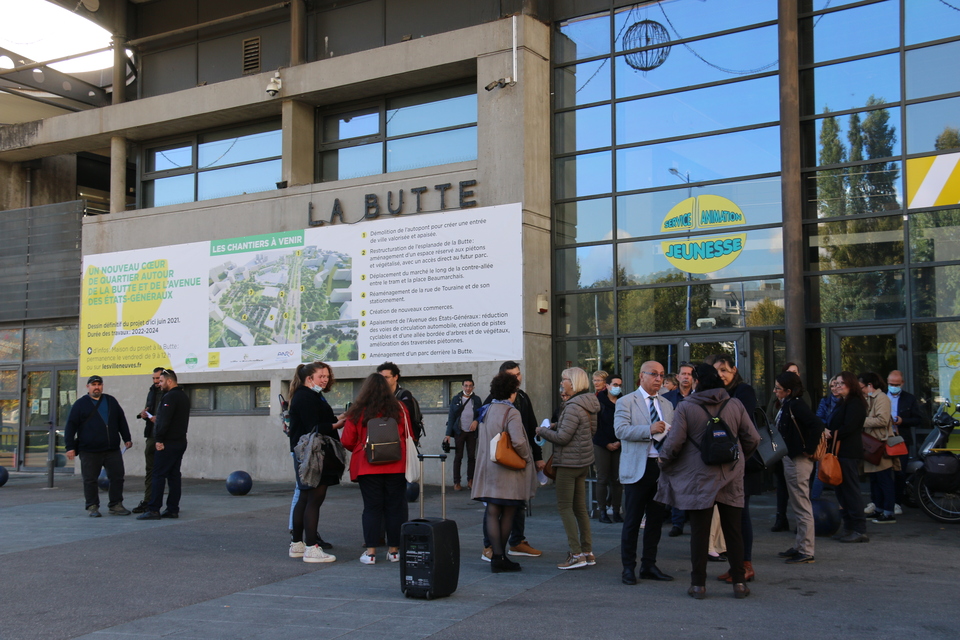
652, 375
777, 388
565, 380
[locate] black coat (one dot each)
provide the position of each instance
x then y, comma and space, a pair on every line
800, 427
309, 409
86, 431
846, 423
173, 416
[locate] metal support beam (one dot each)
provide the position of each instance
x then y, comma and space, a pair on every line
209, 23
298, 32
53, 81
791, 189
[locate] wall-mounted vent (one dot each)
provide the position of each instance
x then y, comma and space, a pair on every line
251, 55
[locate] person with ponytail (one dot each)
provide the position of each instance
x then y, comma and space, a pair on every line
309, 410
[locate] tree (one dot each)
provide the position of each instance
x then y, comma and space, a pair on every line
949, 138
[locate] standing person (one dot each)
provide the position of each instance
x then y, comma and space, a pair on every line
309, 410
684, 388
606, 452
879, 424
383, 486
170, 434
773, 408
801, 431
572, 437
846, 425
95, 428
391, 374
599, 379
502, 489
752, 482
517, 545
149, 417
828, 404
907, 416
462, 421
697, 487
641, 419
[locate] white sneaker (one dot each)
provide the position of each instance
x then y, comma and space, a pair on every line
897, 510
487, 555
366, 558
297, 549
393, 556
316, 554
870, 508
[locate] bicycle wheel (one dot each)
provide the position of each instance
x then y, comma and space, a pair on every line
942, 506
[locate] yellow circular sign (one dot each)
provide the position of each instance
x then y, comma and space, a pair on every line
703, 254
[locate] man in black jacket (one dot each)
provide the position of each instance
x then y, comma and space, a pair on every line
95, 428
170, 434
907, 416
149, 417
462, 427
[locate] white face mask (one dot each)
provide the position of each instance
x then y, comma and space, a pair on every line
614, 390
317, 388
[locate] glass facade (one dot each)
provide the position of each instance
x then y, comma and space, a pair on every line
667, 187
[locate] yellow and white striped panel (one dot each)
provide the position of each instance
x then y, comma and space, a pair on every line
933, 181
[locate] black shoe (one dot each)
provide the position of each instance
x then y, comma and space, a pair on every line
843, 534
149, 515
94, 511
140, 508
653, 573
502, 564
801, 559
720, 558
628, 577
118, 510
780, 524
853, 536
170, 514
789, 553
617, 517
675, 531
323, 543
605, 519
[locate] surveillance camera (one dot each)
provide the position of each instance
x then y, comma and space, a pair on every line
273, 87
493, 85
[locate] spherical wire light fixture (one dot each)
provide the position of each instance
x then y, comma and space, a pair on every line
646, 33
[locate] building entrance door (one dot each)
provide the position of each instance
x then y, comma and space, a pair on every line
877, 349
49, 394
670, 351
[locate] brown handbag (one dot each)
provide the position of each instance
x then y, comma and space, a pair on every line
830, 471
506, 455
821, 448
873, 449
548, 470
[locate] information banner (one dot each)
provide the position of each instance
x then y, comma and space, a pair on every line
432, 288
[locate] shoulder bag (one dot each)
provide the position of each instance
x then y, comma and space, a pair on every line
502, 451
772, 448
873, 449
896, 446
412, 467
829, 471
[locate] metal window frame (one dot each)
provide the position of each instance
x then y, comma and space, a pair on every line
212, 386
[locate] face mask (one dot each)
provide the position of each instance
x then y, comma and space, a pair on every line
467, 394
317, 388
561, 389
894, 390
614, 391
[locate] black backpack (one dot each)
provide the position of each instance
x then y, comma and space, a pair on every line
718, 446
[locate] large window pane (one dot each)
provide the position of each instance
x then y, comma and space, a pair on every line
690, 19
583, 37
861, 190
928, 20
699, 111
437, 109
936, 291
851, 297
711, 60
663, 309
589, 355
428, 391
848, 85
728, 155
163, 159
585, 314
925, 76
645, 262
582, 129
933, 126
224, 148
247, 178
11, 345
584, 221
352, 162
935, 357
459, 145
9, 381
858, 136
861, 242
582, 83
642, 214
173, 190
829, 36
583, 175
585, 267
935, 236
233, 397
51, 343
356, 124
9, 432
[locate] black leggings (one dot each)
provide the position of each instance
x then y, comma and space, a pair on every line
499, 524
306, 514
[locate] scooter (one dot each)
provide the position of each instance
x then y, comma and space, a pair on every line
934, 479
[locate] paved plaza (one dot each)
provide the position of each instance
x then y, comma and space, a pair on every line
222, 571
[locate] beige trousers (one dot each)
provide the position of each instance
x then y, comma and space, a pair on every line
797, 472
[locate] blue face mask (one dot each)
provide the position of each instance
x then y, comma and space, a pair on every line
614, 390
894, 390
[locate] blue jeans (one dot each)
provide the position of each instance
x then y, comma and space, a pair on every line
882, 491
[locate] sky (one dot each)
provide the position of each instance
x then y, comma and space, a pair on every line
41, 30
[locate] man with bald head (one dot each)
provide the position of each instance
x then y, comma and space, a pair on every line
907, 415
641, 420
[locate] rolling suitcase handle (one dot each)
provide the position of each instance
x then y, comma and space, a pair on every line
443, 481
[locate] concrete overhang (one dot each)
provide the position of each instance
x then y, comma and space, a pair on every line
435, 59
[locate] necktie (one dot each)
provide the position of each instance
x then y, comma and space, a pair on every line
654, 416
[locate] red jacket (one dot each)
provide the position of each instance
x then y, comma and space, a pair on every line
354, 437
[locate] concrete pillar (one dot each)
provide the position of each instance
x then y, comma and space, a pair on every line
119, 55
298, 142
298, 31
118, 174
791, 189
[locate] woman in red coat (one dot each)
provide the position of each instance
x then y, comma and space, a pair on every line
383, 486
